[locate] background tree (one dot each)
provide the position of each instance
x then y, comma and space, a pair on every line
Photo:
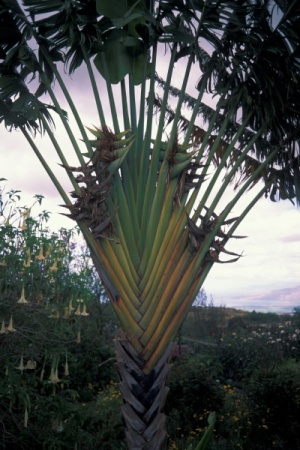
152, 220
54, 354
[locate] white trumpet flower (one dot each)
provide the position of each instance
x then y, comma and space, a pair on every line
22, 299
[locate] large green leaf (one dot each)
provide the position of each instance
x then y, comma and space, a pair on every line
112, 8
121, 55
206, 438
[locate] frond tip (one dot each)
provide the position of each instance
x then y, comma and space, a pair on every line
92, 205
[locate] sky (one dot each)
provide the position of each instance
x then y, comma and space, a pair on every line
266, 277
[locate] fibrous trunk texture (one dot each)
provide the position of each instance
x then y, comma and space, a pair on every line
144, 397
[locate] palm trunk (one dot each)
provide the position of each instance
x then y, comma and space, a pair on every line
144, 397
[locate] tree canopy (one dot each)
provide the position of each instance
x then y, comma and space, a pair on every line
246, 52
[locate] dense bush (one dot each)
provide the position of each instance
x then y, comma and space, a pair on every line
242, 352
194, 393
275, 393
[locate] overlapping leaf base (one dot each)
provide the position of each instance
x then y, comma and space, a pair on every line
144, 397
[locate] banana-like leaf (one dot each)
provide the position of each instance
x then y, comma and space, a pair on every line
121, 55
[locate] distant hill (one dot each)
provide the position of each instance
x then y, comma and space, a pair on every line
279, 300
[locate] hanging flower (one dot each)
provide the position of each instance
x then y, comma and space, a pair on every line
25, 214
40, 256
21, 365
54, 373
23, 225
10, 325
22, 299
78, 310
31, 364
84, 311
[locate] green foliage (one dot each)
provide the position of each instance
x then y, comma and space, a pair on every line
111, 430
204, 321
242, 352
256, 369
205, 441
194, 393
275, 392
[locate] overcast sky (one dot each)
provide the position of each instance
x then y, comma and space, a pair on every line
271, 252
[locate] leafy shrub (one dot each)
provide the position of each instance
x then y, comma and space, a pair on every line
234, 424
275, 392
242, 352
54, 355
194, 393
111, 430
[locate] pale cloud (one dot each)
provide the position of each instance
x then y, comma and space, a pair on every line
271, 258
